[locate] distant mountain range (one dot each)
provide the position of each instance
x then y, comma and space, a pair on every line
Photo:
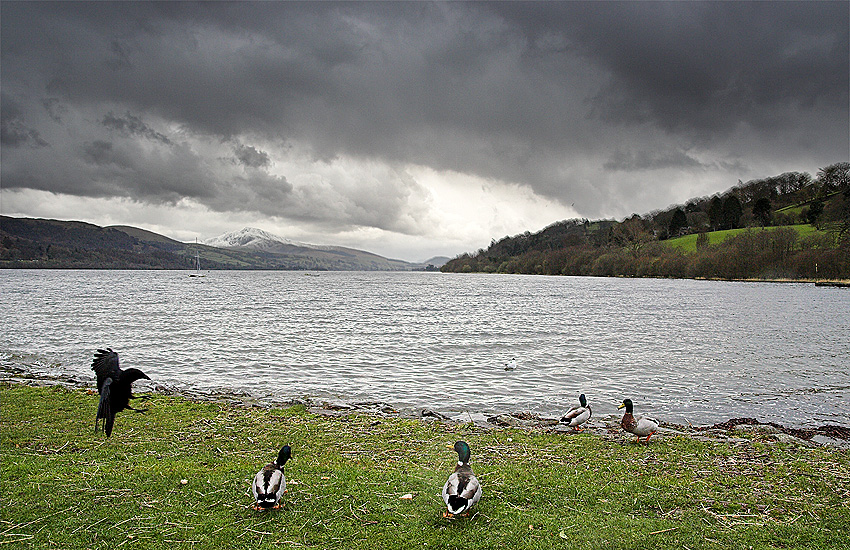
262, 242
256, 239
40, 243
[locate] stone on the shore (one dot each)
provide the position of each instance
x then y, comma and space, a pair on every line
337, 406
789, 439
428, 413
758, 429
523, 420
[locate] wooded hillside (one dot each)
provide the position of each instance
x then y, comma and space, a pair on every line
787, 226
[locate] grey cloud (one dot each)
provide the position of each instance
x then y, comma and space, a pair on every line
252, 157
99, 153
552, 95
641, 160
55, 108
255, 191
382, 197
121, 57
131, 125
705, 66
14, 131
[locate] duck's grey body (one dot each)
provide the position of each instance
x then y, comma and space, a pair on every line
638, 425
270, 482
462, 490
577, 416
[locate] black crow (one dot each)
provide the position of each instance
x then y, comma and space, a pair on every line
113, 384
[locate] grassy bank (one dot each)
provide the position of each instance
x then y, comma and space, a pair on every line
688, 243
178, 477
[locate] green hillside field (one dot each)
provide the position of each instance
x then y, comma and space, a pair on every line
688, 243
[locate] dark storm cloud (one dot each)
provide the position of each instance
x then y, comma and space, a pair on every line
100, 153
13, 129
643, 160
704, 66
130, 125
252, 157
54, 108
559, 96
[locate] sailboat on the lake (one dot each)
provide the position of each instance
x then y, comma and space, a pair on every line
197, 272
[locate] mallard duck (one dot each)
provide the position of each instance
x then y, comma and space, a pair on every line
577, 416
270, 483
115, 388
638, 425
462, 490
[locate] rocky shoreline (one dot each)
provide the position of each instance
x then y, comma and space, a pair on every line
735, 430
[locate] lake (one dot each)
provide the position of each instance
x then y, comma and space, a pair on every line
685, 351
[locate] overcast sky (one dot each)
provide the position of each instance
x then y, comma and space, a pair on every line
408, 129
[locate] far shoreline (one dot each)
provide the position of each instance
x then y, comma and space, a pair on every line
843, 283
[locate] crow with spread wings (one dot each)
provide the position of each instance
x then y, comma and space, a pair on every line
114, 386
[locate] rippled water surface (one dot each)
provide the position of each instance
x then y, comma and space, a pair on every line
693, 351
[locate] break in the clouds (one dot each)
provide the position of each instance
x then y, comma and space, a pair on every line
409, 128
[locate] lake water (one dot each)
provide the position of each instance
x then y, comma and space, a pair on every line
686, 351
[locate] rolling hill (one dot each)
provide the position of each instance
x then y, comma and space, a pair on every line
41, 243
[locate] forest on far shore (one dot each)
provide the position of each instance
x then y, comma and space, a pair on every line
790, 226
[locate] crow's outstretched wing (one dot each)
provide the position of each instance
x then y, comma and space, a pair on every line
104, 408
105, 364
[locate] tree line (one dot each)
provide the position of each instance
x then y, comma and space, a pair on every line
767, 247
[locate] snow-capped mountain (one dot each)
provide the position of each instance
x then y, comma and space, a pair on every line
255, 239
280, 252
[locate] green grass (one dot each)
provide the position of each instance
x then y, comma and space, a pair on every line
62, 486
688, 243
798, 208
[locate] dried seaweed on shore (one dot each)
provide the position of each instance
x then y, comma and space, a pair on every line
827, 430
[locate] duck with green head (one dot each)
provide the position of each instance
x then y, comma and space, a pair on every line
462, 490
269, 484
639, 425
577, 416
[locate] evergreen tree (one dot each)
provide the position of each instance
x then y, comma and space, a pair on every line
715, 213
763, 211
677, 222
732, 212
815, 211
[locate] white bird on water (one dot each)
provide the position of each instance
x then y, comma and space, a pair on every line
510, 365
